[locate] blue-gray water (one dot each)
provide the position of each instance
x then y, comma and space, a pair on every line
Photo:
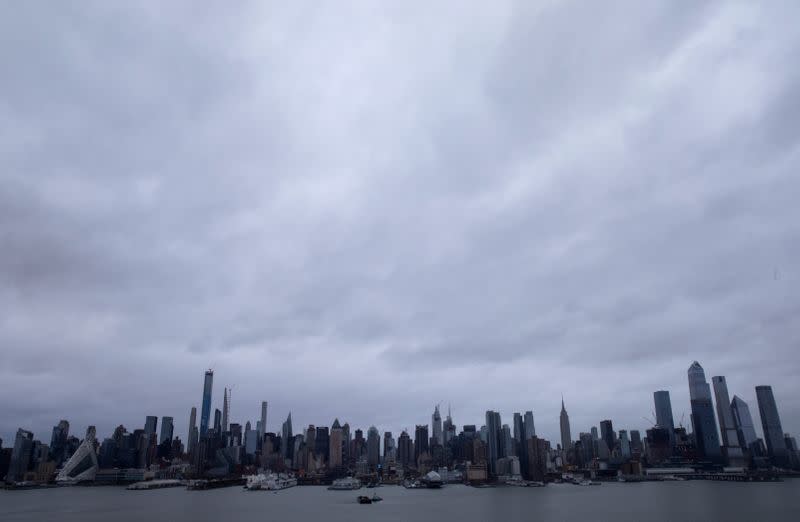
670, 501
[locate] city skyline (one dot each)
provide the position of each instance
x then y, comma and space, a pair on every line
472, 209
156, 422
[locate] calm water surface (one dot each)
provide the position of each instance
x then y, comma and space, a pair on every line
615, 502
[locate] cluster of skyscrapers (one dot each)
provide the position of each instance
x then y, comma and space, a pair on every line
723, 435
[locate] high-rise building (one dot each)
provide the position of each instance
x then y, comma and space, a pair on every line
405, 450
191, 437
624, 444
664, 417
771, 425
226, 405
21, 455
217, 421
388, 445
263, 420
519, 428
727, 428
373, 448
704, 424
421, 443
745, 429
322, 442
166, 430
205, 411
151, 425
607, 435
530, 429
336, 445
493, 426
287, 438
58, 442
566, 435
636, 442
436, 426
506, 442
449, 428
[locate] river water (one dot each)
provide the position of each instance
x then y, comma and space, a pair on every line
650, 501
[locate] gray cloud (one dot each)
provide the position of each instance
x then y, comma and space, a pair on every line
358, 211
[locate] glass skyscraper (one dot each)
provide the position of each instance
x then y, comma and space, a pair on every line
771, 424
205, 411
664, 417
703, 421
743, 421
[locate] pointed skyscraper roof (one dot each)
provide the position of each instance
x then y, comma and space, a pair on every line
336, 425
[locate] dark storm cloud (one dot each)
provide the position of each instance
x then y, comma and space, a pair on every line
357, 211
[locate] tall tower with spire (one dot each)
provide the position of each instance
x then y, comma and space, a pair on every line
437, 426
566, 436
226, 405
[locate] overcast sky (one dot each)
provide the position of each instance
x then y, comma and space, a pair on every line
358, 210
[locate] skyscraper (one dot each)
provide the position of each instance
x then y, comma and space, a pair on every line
336, 445
21, 455
745, 429
420, 441
58, 442
166, 429
205, 411
448, 427
566, 435
190, 437
226, 405
436, 426
664, 417
150, 425
263, 420
703, 423
607, 435
727, 428
287, 438
493, 427
405, 450
530, 429
771, 424
217, 421
519, 428
374, 447
624, 444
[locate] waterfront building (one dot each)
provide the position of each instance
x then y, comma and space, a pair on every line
636, 442
388, 446
704, 424
506, 442
566, 434
205, 411
743, 421
82, 465
21, 455
218, 421
731, 449
771, 425
664, 417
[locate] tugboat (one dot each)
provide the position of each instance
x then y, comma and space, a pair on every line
363, 499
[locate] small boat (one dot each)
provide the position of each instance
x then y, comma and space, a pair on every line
345, 484
375, 498
363, 499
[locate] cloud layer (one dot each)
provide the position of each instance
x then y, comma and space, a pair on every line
358, 210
